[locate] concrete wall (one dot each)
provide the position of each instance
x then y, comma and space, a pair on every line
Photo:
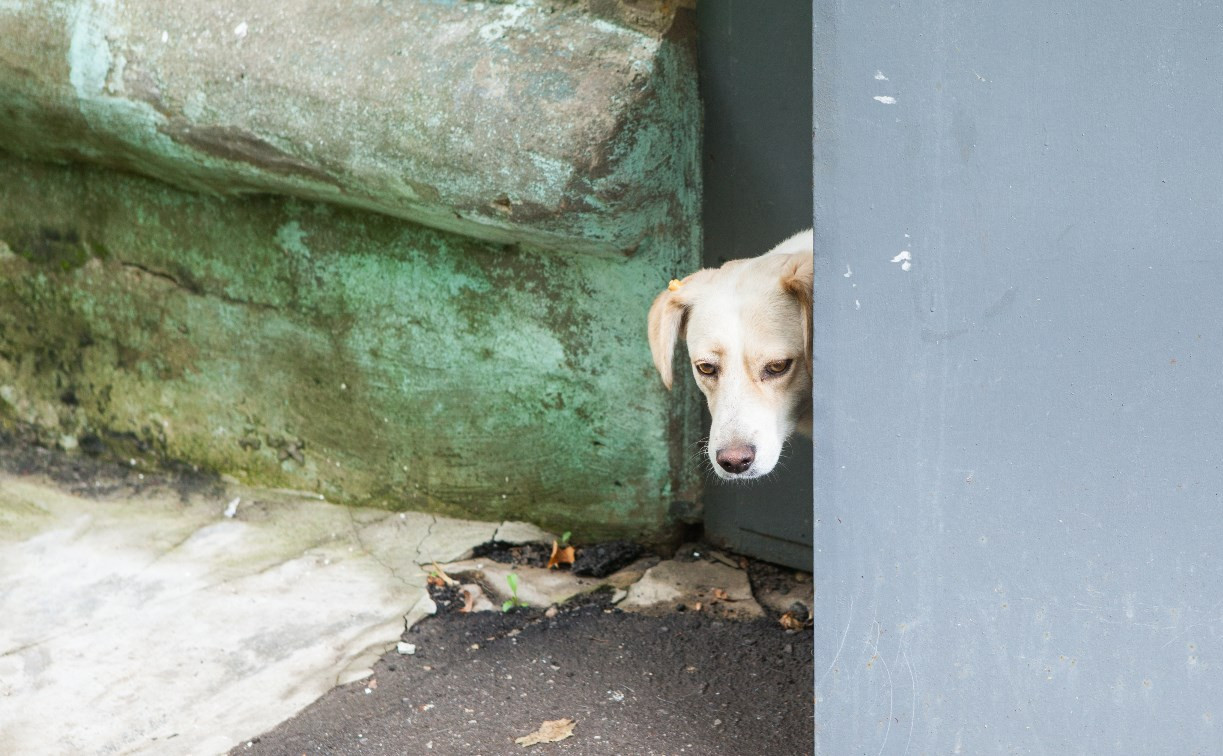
390, 307
1018, 465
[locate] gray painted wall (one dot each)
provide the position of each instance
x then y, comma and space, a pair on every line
755, 59
1017, 464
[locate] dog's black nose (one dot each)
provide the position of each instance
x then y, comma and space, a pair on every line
736, 459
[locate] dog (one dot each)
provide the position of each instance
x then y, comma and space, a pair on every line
747, 326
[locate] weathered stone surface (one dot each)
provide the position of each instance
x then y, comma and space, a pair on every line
716, 587
300, 345
567, 126
150, 623
522, 532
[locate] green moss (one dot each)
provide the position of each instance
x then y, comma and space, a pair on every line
374, 361
50, 248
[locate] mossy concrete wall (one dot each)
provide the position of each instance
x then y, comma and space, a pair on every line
491, 366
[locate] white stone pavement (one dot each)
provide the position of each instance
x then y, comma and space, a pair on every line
154, 624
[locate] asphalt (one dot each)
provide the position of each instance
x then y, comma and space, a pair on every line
639, 685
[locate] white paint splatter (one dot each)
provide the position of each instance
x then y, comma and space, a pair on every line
879, 76
232, 509
885, 99
906, 265
240, 30
848, 272
165, 37
904, 258
857, 305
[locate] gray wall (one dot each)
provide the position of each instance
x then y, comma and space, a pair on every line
755, 59
1017, 464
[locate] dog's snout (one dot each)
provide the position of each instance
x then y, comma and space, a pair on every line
737, 458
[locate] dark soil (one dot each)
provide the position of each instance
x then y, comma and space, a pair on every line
602, 559
596, 560
636, 685
529, 554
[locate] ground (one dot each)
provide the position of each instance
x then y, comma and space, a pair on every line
220, 612
679, 683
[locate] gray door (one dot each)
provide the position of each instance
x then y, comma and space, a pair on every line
755, 67
1019, 354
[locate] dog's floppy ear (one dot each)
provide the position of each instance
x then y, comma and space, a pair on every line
666, 321
797, 280
669, 316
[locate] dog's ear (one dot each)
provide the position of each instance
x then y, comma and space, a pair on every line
797, 280
665, 323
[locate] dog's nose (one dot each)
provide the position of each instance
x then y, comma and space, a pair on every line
737, 458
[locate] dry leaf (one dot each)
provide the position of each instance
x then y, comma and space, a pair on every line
551, 731
791, 622
560, 556
469, 600
436, 581
722, 595
446, 579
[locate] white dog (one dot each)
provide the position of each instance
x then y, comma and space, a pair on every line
748, 329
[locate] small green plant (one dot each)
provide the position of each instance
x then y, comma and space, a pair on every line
565, 539
513, 600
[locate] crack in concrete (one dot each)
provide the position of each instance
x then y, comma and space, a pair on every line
356, 534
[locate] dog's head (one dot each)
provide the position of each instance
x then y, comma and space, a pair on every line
748, 330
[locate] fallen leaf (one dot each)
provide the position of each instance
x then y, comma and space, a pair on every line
446, 579
469, 600
722, 595
436, 581
551, 731
560, 556
790, 621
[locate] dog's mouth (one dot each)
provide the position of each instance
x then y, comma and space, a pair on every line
745, 475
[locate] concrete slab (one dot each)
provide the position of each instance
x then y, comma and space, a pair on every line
715, 586
154, 623
516, 532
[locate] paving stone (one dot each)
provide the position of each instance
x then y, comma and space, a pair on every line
714, 586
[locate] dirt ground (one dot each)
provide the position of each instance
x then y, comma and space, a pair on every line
683, 683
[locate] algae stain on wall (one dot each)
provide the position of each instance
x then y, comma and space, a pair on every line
374, 361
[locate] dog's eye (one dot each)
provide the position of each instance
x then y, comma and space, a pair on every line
704, 368
777, 367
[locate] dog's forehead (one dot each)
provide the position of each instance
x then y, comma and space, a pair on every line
743, 314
